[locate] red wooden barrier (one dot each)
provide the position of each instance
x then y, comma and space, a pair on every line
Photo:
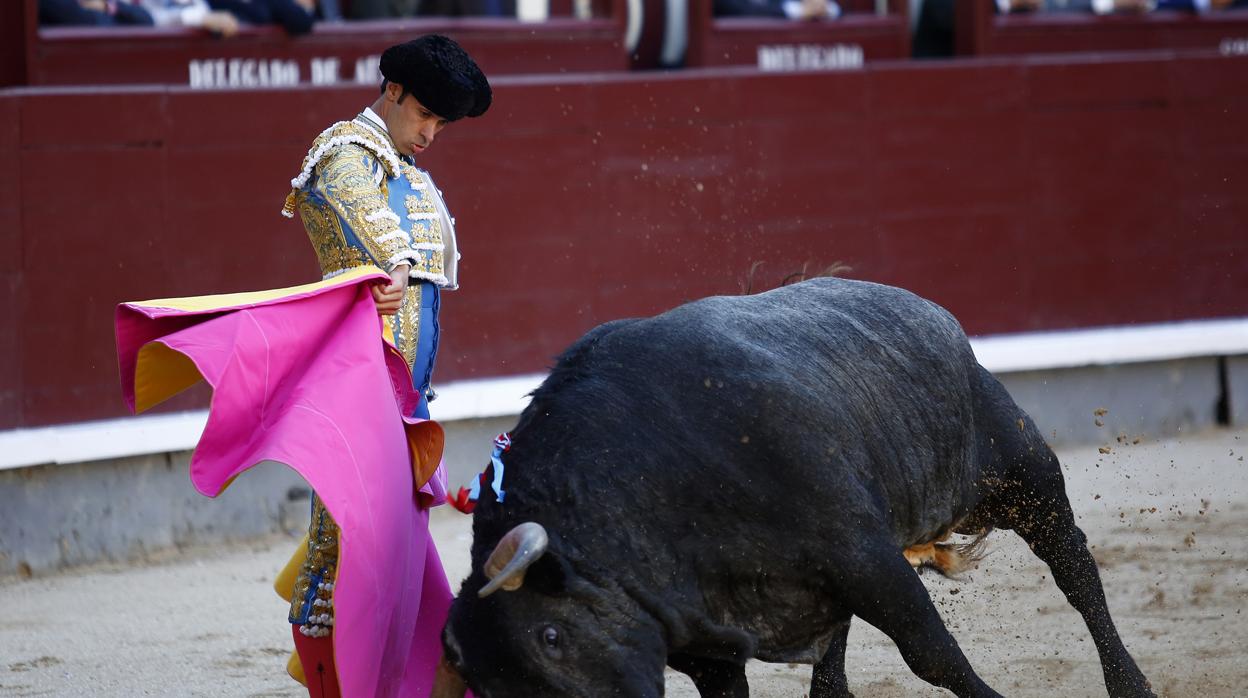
999, 189
781, 44
332, 53
344, 52
981, 31
11, 264
17, 21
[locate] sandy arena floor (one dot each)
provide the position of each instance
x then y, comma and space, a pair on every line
1167, 521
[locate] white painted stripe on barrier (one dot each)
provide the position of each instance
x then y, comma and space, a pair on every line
112, 438
137, 436
501, 397
484, 398
1042, 351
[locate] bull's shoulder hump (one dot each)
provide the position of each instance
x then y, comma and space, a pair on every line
873, 301
775, 321
591, 338
849, 297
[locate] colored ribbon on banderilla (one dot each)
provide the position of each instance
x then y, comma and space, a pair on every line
466, 499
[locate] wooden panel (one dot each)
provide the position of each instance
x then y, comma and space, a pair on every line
1137, 82
55, 121
1013, 192
340, 53
11, 381
10, 185
817, 45
980, 31
784, 45
11, 284
1201, 80
919, 88
13, 31
215, 119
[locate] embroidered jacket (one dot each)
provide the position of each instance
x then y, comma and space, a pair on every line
362, 203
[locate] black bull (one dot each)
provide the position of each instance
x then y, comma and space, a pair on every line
737, 478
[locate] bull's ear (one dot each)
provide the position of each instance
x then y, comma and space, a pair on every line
549, 575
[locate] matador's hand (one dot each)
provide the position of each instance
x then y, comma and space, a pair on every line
389, 297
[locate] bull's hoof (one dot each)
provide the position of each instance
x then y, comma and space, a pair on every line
1129, 684
831, 694
830, 687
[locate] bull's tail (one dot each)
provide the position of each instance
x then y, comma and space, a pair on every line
834, 269
949, 559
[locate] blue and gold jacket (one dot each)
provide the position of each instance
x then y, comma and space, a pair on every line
362, 203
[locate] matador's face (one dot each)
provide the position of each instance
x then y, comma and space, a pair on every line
412, 127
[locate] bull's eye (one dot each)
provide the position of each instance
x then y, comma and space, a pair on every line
550, 642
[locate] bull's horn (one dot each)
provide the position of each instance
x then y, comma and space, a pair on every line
447, 683
521, 547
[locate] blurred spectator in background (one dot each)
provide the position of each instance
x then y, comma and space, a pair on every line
467, 8
1100, 7
218, 16
933, 32
191, 13
92, 13
295, 16
1104, 7
1200, 5
381, 9
792, 9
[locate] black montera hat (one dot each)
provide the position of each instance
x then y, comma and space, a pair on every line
440, 75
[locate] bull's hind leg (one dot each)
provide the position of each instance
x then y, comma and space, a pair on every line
1028, 494
828, 679
714, 678
1041, 515
880, 587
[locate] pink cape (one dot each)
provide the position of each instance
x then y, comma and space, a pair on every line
303, 376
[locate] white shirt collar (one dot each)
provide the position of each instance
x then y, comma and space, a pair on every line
371, 115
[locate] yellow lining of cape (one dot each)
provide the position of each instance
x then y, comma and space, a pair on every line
160, 372
227, 301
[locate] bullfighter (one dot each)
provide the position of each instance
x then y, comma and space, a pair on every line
363, 202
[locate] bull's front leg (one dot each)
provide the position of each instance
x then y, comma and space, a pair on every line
828, 680
714, 678
880, 587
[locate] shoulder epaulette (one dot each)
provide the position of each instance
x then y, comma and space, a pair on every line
341, 133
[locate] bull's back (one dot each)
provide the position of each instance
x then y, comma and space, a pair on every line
837, 388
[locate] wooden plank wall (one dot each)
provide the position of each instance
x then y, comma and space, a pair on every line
1022, 195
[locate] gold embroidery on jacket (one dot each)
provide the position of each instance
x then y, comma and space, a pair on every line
429, 265
350, 181
413, 176
345, 180
323, 229
405, 324
426, 235
319, 567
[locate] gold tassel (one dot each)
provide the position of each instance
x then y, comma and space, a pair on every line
288, 209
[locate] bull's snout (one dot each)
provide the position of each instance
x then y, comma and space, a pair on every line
447, 683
